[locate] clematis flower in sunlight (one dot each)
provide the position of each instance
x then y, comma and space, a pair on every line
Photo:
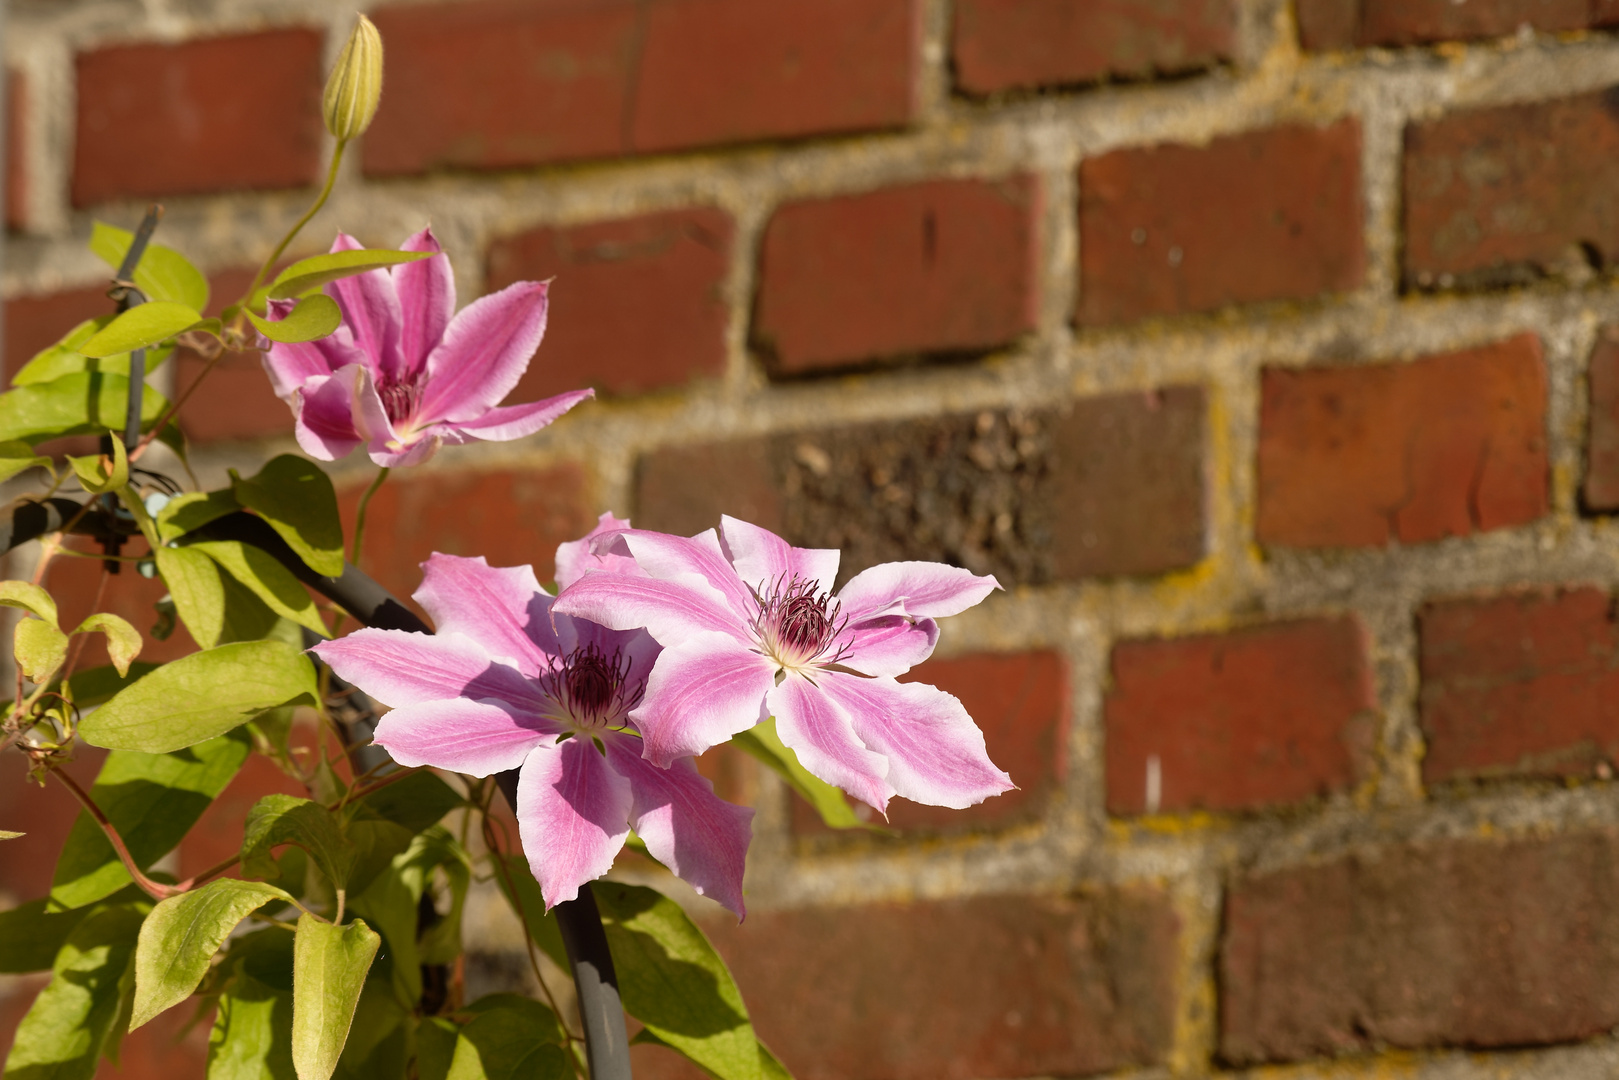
504, 684
405, 372
750, 629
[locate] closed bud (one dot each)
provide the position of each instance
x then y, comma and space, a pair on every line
355, 85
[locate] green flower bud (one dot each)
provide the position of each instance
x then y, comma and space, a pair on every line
355, 85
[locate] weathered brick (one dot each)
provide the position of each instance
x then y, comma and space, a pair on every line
1104, 485
994, 986
511, 517
1449, 943
948, 266
16, 136
1009, 44
1346, 24
613, 77
1601, 491
1240, 720
201, 126
1444, 446
1267, 215
637, 304
1520, 685
1509, 194
1020, 701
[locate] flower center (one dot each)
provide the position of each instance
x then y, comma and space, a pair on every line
401, 397
593, 689
796, 625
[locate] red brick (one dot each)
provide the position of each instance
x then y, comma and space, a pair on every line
606, 78
1009, 44
1448, 943
1345, 24
511, 517
45, 816
16, 136
637, 304
1107, 485
1510, 194
34, 323
217, 835
1444, 446
1268, 215
204, 126
1602, 451
1519, 685
942, 267
995, 986
1020, 701
1240, 720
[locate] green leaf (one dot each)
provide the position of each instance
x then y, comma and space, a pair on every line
389, 905
200, 696
437, 849
435, 1047
329, 966
193, 510
529, 903
179, 938
78, 404
378, 1046
20, 594
64, 357
41, 648
315, 317
287, 819
162, 273
30, 936
383, 823
246, 616
142, 327
93, 474
510, 1038
93, 686
252, 1033
199, 595
267, 579
762, 743
674, 982
317, 270
152, 800
17, 456
74, 1019
123, 640
298, 501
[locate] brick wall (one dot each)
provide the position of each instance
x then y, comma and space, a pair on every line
1267, 352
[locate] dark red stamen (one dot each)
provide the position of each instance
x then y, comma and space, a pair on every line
593, 687
401, 398
796, 623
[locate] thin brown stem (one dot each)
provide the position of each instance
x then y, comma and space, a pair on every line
155, 889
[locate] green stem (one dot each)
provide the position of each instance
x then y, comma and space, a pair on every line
359, 516
320, 201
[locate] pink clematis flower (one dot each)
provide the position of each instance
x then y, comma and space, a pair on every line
505, 685
405, 373
750, 629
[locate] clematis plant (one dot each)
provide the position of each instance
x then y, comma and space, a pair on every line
406, 373
505, 684
750, 628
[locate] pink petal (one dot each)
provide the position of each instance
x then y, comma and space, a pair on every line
426, 292
400, 668
414, 453
517, 421
371, 312
890, 645
485, 350
670, 610
935, 752
761, 557
573, 814
577, 556
635, 647
503, 609
702, 691
290, 366
324, 426
822, 734
686, 827
918, 589
696, 559
473, 737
